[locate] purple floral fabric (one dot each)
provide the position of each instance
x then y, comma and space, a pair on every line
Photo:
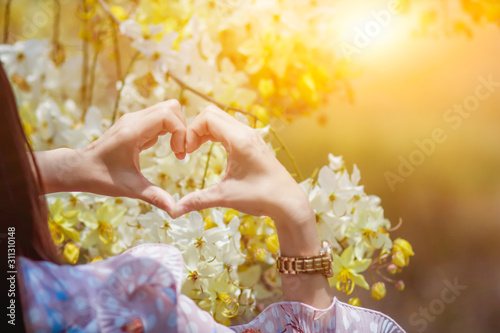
139, 290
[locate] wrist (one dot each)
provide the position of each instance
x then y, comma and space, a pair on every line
61, 169
292, 208
296, 228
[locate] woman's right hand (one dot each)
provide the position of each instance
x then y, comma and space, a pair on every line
257, 184
254, 183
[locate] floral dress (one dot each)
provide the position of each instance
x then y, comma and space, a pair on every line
140, 291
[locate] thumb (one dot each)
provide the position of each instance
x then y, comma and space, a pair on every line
201, 199
156, 196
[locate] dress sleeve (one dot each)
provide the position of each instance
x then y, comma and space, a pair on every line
136, 291
166, 305
295, 317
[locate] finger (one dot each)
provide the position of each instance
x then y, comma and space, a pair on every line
160, 119
211, 124
176, 107
178, 141
180, 156
156, 196
201, 199
194, 141
168, 117
149, 144
171, 104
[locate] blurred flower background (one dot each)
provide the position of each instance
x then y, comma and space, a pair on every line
407, 90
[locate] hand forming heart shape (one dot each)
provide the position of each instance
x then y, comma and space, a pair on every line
254, 182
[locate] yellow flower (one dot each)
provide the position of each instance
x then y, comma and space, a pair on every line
105, 232
266, 87
261, 113
229, 307
378, 291
346, 269
103, 223
71, 253
62, 223
308, 90
119, 12
221, 301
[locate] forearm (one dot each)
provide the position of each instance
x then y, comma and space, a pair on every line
61, 170
298, 236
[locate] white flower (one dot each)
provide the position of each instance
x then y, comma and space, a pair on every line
339, 190
190, 232
335, 162
93, 123
368, 232
26, 58
228, 86
227, 248
166, 57
204, 268
141, 42
53, 127
146, 228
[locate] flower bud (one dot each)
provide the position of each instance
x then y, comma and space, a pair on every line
398, 259
269, 222
266, 87
229, 214
260, 254
385, 253
400, 285
272, 243
378, 291
119, 12
71, 253
403, 245
392, 269
248, 226
209, 223
58, 55
354, 301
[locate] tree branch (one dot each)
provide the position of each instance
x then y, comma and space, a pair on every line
6, 22
117, 101
185, 86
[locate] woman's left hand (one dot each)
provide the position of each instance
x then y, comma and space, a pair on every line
110, 165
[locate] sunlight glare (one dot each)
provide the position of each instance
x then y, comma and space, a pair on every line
367, 28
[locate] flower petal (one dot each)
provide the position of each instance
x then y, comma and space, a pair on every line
360, 266
360, 280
